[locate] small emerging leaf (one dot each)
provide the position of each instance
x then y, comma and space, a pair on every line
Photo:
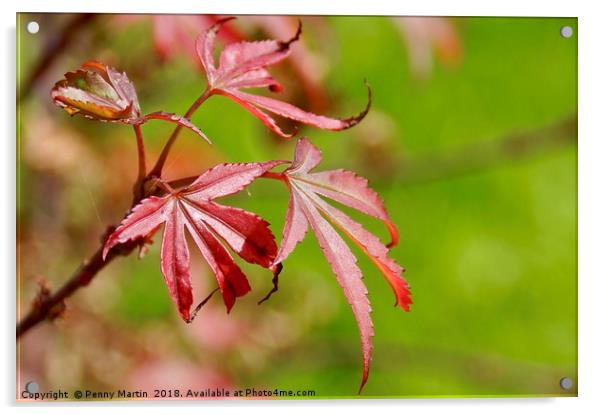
97, 91
100, 92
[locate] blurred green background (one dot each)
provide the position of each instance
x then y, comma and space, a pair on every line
471, 142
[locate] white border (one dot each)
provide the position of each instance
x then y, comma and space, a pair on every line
372, 7
590, 206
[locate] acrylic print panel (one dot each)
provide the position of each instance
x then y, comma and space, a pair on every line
403, 189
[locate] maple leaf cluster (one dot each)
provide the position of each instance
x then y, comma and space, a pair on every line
99, 92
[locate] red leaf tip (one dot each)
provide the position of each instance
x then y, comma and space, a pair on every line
185, 314
295, 38
364, 381
352, 121
106, 249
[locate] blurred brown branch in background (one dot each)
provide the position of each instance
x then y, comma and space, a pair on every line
487, 154
55, 45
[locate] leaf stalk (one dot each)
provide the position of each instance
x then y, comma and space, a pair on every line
158, 168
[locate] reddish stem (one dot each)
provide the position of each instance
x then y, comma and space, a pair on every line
139, 185
274, 175
158, 168
165, 186
141, 153
175, 184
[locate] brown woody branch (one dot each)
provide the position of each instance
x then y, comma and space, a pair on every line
42, 308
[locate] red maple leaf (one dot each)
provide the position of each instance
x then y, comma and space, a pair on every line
175, 35
212, 227
243, 65
306, 207
100, 92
